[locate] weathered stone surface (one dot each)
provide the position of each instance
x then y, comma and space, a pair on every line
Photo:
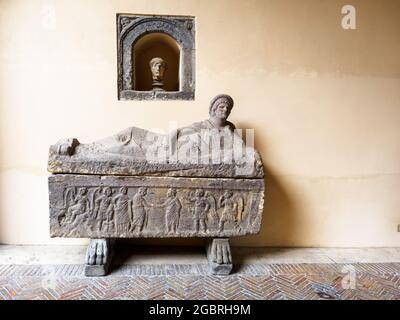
196, 181
107, 163
219, 256
98, 257
92, 206
130, 28
210, 148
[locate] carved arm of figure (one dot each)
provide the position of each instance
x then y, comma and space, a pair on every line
96, 202
162, 204
88, 208
221, 201
115, 199
130, 210
64, 147
148, 204
131, 217
207, 209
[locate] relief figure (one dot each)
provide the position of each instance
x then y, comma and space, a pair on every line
232, 209
139, 214
103, 208
204, 204
122, 209
79, 211
173, 208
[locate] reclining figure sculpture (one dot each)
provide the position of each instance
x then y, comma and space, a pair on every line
196, 181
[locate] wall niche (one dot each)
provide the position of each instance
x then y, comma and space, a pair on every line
145, 38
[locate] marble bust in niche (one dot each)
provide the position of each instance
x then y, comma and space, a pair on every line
144, 37
158, 67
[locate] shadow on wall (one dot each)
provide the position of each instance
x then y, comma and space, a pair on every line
279, 225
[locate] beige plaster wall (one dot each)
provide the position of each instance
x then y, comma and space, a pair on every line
324, 103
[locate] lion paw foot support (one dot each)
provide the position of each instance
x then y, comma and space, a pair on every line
219, 256
98, 257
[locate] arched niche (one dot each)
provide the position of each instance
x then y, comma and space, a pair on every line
155, 45
131, 29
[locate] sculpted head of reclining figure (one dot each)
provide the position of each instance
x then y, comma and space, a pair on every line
220, 109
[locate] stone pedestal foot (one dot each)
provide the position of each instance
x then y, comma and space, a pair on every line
98, 257
219, 256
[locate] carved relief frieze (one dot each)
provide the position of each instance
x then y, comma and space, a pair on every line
125, 208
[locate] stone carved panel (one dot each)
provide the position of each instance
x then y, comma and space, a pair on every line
129, 207
130, 28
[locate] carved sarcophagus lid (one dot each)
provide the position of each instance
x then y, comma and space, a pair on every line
197, 181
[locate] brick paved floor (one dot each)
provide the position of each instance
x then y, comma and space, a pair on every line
151, 272
191, 281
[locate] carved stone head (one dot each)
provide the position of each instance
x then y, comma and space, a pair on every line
142, 191
171, 192
228, 194
107, 191
123, 190
199, 193
158, 67
221, 106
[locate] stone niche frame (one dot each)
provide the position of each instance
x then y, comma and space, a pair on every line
132, 27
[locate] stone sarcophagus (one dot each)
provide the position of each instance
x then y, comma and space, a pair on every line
197, 181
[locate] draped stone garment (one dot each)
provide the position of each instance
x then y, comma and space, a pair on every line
184, 152
172, 213
139, 211
122, 210
105, 208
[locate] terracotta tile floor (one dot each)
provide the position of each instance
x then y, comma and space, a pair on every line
149, 273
